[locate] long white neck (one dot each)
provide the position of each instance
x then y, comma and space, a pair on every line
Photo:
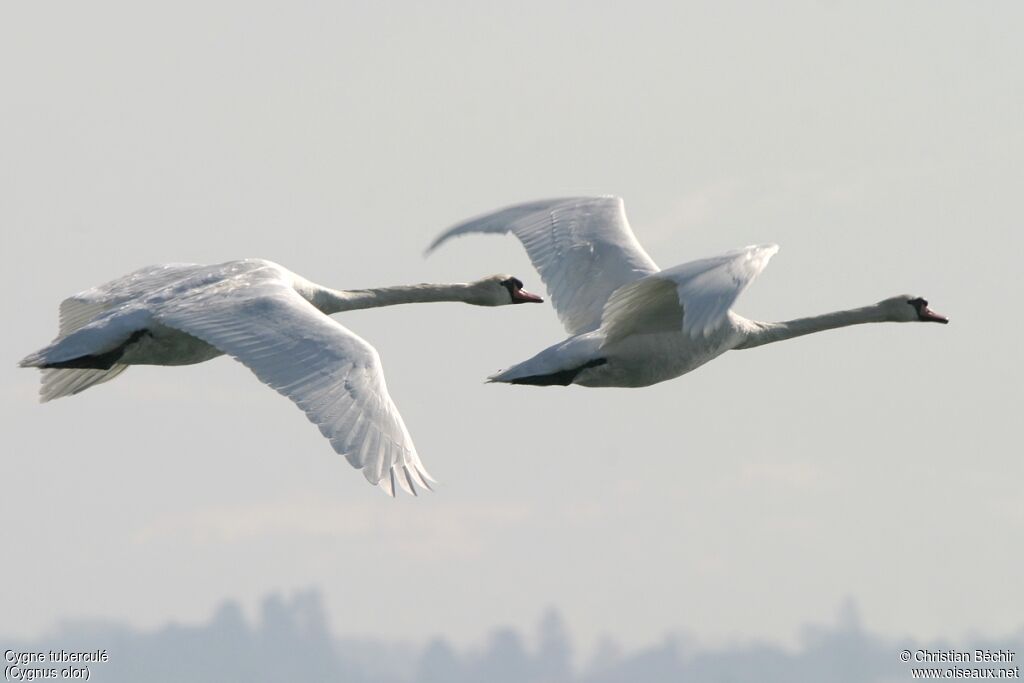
758, 333
335, 301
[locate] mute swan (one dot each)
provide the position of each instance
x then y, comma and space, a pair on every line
274, 322
632, 324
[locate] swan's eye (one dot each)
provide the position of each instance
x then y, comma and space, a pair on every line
512, 283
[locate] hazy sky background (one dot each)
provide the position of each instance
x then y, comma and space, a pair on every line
879, 143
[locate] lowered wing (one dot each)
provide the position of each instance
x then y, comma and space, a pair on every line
332, 374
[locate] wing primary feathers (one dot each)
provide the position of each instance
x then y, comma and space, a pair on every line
250, 310
582, 247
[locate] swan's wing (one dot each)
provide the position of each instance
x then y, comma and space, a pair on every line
694, 296
582, 247
328, 371
76, 312
82, 331
80, 309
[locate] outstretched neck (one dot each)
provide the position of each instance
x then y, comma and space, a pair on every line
335, 301
758, 333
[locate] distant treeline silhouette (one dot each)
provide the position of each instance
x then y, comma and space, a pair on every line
291, 641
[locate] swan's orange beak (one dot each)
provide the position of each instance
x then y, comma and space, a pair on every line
925, 314
928, 315
521, 296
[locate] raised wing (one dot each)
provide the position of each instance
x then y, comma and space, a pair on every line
582, 247
332, 374
79, 310
694, 296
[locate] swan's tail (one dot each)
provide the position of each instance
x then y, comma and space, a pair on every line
84, 358
556, 365
60, 382
562, 378
519, 371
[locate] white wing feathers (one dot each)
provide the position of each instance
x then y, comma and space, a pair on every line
79, 310
598, 275
582, 247
332, 374
69, 381
697, 295
75, 313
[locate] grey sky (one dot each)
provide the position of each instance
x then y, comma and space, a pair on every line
879, 143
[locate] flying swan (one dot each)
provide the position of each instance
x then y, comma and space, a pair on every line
630, 323
272, 321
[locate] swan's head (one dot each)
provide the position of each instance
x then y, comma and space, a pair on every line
908, 308
500, 290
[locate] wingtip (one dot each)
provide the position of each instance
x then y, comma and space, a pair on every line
419, 475
496, 377
30, 361
438, 241
411, 488
425, 476
387, 484
767, 247
406, 480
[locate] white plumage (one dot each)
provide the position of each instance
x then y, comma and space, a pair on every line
273, 322
630, 323
582, 248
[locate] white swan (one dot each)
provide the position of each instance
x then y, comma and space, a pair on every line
274, 322
632, 324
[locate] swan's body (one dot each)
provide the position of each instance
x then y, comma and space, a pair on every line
632, 324
638, 360
273, 321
